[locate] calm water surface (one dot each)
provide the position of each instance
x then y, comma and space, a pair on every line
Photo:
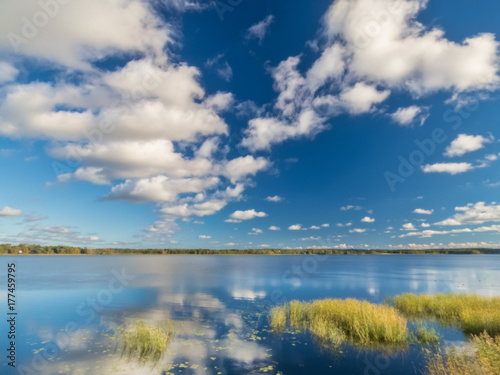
68, 307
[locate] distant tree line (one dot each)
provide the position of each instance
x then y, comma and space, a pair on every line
25, 249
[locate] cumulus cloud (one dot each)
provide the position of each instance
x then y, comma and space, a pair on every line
274, 228
275, 198
325, 225
260, 29
148, 129
477, 213
204, 237
451, 168
239, 216
409, 226
368, 219
466, 143
256, 231
295, 227
118, 27
404, 53
362, 59
409, 115
7, 72
422, 211
10, 212
357, 230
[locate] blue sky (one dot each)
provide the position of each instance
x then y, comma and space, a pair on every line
248, 124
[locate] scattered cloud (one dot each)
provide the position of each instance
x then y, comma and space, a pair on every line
256, 231
477, 213
274, 228
367, 219
276, 198
357, 230
325, 225
451, 168
421, 211
295, 227
409, 226
10, 212
466, 143
238, 216
221, 67
260, 29
350, 207
409, 115
203, 237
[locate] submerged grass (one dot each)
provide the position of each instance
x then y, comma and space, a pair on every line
483, 358
334, 321
472, 314
145, 343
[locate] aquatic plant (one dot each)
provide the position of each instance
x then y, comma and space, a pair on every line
481, 358
334, 321
144, 343
472, 314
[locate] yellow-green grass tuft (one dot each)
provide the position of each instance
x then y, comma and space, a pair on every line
482, 358
144, 343
472, 314
334, 321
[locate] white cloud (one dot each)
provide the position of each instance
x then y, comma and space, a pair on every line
367, 219
245, 215
364, 58
256, 231
451, 168
325, 225
204, 237
274, 228
357, 230
430, 233
361, 97
7, 72
260, 29
425, 225
409, 115
314, 227
276, 198
221, 67
409, 226
10, 212
477, 213
295, 227
118, 27
466, 143
421, 211
350, 207
398, 51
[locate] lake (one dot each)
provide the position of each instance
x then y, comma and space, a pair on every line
68, 306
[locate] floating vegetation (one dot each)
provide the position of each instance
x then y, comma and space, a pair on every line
144, 343
424, 335
472, 314
482, 358
334, 321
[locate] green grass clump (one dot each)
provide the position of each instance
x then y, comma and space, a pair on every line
334, 321
483, 358
472, 314
426, 336
145, 343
